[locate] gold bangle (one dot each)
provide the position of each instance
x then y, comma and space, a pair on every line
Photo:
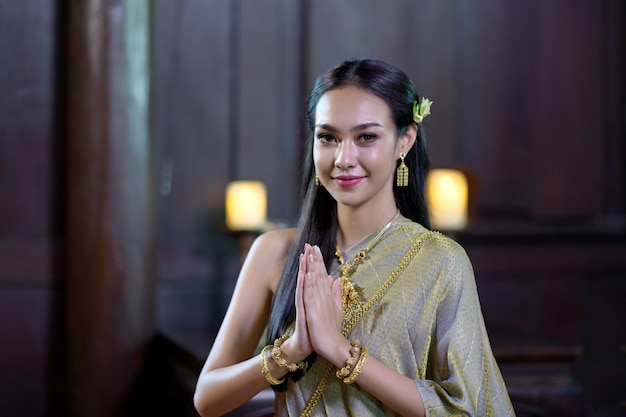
265, 370
354, 351
277, 355
359, 366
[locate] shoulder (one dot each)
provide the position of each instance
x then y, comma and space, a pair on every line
439, 256
447, 249
274, 242
455, 270
433, 243
268, 253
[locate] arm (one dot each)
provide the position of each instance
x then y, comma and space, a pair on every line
392, 388
230, 375
463, 377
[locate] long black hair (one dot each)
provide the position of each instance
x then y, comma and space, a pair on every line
317, 219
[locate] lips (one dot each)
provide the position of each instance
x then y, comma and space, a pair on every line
348, 180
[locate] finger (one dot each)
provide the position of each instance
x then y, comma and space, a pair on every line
315, 262
336, 289
317, 254
299, 284
317, 291
302, 264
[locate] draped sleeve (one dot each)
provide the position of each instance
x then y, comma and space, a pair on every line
461, 376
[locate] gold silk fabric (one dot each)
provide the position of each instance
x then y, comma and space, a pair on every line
428, 326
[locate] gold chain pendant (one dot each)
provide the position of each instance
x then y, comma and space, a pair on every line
350, 298
349, 295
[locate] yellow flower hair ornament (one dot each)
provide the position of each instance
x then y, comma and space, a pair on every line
421, 110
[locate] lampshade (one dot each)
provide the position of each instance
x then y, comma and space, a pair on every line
446, 191
246, 205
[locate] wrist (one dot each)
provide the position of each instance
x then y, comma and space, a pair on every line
273, 373
291, 352
339, 352
274, 367
282, 361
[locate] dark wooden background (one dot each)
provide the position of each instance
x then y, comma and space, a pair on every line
121, 122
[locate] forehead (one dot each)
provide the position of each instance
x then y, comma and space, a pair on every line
351, 106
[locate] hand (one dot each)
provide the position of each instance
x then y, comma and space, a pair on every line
322, 302
299, 342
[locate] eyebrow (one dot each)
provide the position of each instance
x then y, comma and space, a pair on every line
363, 126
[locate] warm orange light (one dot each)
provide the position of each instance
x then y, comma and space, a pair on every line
447, 199
246, 205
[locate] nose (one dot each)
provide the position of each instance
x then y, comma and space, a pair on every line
346, 154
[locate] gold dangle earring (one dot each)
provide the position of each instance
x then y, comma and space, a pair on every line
317, 179
402, 173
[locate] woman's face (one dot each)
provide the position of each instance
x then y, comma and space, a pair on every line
356, 147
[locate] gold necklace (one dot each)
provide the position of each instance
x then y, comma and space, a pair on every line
349, 296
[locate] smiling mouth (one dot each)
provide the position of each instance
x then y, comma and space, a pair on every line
348, 180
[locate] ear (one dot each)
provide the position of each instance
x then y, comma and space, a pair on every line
407, 140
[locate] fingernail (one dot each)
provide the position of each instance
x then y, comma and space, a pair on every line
317, 250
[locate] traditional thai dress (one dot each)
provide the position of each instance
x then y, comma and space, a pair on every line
420, 315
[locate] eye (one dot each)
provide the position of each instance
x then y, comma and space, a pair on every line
326, 138
367, 138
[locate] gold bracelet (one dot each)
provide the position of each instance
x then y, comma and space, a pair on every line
277, 355
359, 366
265, 370
354, 351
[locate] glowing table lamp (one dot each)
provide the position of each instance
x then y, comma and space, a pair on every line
246, 206
446, 192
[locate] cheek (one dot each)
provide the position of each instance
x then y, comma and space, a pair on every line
380, 160
322, 157
316, 151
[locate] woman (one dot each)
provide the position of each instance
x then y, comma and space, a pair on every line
396, 326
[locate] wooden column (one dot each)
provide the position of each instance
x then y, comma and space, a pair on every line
110, 301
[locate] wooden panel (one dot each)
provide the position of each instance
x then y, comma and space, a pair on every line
193, 83
533, 310
492, 63
269, 109
568, 138
505, 258
30, 174
27, 168
551, 308
27, 340
29, 261
615, 170
191, 113
606, 341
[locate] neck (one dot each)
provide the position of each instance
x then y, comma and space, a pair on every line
355, 224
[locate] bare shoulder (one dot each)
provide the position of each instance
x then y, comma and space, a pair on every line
269, 251
274, 241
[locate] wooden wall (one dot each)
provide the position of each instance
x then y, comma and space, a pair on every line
529, 99
31, 167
